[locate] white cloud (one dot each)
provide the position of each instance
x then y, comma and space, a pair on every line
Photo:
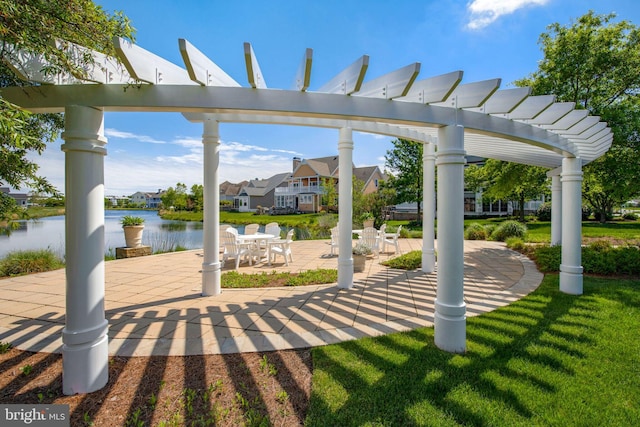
115, 133
236, 146
485, 12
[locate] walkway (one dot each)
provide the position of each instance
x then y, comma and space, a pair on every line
154, 306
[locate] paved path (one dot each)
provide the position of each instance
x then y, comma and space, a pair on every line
154, 306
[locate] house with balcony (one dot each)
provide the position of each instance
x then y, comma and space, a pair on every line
304, 189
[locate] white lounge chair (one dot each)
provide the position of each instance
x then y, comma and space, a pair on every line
392, 239
233, 248
370, 238
282, 247
334, 239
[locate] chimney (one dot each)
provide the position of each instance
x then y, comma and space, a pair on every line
296, 162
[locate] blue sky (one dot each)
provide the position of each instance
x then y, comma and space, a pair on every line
484, 38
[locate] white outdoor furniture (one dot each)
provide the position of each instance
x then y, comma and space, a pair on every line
281, 247
233, 247
272, 228
334, 239
257, 244
371, 238
391, 239
251, 228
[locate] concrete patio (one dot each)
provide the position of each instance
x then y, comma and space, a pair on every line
154, 307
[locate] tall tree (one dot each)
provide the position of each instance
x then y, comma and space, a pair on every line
508, 181
404, 162
595, 62
33, 26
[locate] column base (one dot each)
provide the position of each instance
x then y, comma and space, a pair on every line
450, 328
211, 284
428, 262
345, 273
85, 367
571, 280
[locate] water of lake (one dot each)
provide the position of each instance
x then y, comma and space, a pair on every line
48, 233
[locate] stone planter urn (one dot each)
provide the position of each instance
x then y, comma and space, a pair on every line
367, 223
359, 262
133, 235
133, 227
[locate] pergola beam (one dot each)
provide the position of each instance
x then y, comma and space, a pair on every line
348, 80
254, 74
201, 69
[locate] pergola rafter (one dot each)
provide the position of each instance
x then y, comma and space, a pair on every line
458, 118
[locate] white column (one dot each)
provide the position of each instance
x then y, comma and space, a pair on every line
450, 309
556, 210
211, 206
570, 264
345, 208
85, 348
429, 212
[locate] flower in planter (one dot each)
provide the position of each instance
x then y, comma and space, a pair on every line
129, 220
362, 249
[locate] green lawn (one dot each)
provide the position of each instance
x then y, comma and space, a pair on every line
550, 359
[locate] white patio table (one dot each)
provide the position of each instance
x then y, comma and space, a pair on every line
257, 238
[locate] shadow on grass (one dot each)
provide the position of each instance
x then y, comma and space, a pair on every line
519, 359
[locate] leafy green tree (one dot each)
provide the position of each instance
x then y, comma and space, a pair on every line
196, 198
329, 193
404, 165
175, 197
508, 181
595, 62
33, 26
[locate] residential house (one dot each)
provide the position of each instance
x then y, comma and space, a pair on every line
259, 193
148, 200
20, 198
304, 189
229, 191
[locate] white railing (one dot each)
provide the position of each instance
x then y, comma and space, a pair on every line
301, 189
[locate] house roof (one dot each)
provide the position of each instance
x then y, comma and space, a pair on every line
365, 173
323, 166
261, 187
230, 189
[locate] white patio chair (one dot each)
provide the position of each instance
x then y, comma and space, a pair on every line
371, 239
392, 239
272, 228
282, 247
381, 235
334, 239
233, 248
251, 228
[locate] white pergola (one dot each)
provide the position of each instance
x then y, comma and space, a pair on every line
458, 119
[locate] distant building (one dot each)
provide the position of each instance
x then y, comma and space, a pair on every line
148, 200
259, 193
21, 199
229, 191
304, 190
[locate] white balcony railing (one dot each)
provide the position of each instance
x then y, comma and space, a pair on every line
317, 189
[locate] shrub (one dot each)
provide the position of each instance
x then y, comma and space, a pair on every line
408, 261
516, 243
475, 231
544, 212
509, 229
547, 258
630, 216
25, 262
600, 245
129, 220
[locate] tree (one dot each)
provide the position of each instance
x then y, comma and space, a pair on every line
33, 26
196, 198
175, 197
329, 193
507, 180
404, 163
595, 63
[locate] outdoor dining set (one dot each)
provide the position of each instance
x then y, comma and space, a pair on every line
376, 240
255, 246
